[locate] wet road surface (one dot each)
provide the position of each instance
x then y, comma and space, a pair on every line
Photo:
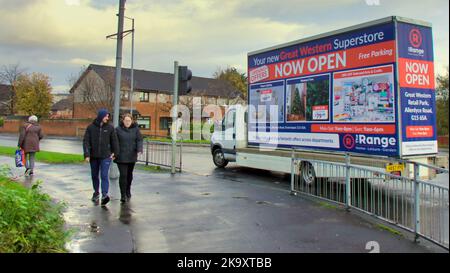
230, 210
196, 159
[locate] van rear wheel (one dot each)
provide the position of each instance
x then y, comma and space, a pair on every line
219, 158
307, 173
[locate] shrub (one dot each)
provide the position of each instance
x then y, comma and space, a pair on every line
29, 220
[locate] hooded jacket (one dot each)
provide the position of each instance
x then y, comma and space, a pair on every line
30, 135
100, 140
130, 143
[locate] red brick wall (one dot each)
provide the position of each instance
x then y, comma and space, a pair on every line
67, 127
55, 127
10, 126
81, 111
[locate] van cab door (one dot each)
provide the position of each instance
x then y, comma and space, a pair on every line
229, 134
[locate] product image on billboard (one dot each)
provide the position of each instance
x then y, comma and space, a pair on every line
307, 99
267, 102
364, 95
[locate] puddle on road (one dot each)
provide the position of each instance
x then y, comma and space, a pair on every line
240, 197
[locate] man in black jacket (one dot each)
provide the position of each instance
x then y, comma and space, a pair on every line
100, 146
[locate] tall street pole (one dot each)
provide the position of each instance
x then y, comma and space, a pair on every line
118, 63
174, 114
114, 171
132, 67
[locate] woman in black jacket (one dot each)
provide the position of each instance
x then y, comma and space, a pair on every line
130, 144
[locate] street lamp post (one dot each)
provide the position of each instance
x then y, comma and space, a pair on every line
114, 172
119, 36
118, 63
132, 64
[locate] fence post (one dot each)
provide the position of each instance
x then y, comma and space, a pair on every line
416, 202
146, 153
292, 170
347, 183
181, 154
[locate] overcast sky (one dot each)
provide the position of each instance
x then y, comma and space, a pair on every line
58, 37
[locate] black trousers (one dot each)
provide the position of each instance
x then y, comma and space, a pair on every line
125, 179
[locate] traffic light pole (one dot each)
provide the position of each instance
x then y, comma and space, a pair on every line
174, 114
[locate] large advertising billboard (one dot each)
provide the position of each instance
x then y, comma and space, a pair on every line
336, 93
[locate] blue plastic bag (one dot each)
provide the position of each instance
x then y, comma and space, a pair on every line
20, 158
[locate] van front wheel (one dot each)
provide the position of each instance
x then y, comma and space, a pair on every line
219, 158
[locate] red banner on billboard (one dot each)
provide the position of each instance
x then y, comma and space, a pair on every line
415, 73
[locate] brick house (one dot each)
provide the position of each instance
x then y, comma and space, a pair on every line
152, 99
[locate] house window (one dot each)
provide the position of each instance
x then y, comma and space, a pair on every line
125, 95
144, 122
164, 123
144, 97
85, 96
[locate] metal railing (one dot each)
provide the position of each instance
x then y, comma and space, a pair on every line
159, 153
409, 203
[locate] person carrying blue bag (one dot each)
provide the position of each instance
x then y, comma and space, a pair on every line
30, 135
20, 158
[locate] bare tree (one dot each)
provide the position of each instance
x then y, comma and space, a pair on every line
96, 92
9, 75
73, 78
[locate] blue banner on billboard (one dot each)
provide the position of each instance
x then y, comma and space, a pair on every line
417, 89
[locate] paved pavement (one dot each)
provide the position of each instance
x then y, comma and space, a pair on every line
231, 210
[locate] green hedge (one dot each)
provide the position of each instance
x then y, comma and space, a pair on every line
2, 121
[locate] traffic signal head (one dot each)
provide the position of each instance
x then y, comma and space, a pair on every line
184, 80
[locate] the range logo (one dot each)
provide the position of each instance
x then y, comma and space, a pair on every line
415, 37
349, 141
378, 141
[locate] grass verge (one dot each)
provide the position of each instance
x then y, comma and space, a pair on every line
153, 169
388, 229
48, 157
327, 205
29, 221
